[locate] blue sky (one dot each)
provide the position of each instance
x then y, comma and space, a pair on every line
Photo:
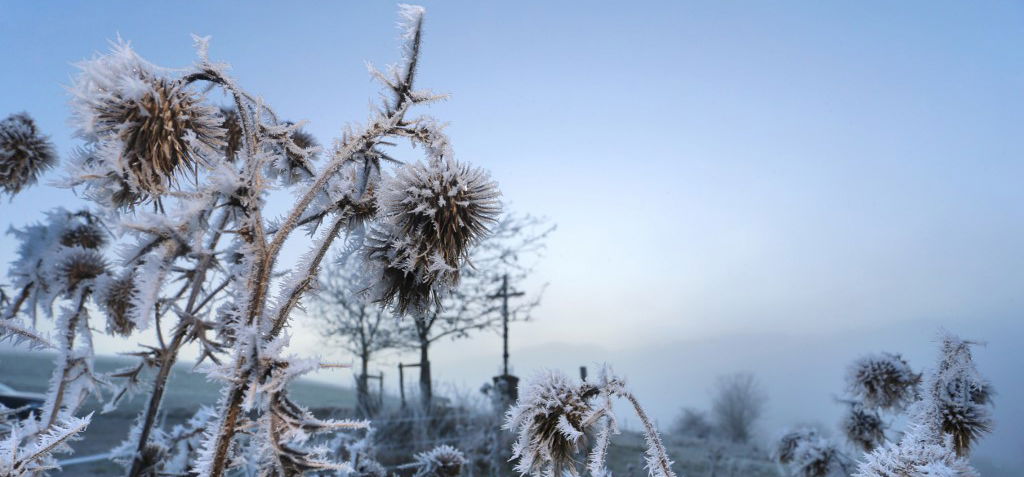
814, 170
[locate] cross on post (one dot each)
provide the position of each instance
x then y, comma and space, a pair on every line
504, 294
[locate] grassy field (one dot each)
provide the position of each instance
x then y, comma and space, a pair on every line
186, 392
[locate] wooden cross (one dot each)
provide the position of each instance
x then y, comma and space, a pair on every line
504, 294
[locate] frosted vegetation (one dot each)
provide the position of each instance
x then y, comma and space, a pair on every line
173, 242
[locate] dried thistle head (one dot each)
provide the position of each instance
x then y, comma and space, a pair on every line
24, 153
115, 297
79, 265
441, 461
864, 428
884, 381
86, 234
549, 421
161, 132
145, 126
432, 213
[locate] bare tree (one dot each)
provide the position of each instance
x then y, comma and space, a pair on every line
738, 402
348, 320
692, 423
510, 250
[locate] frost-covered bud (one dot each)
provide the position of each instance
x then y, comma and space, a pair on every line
864, 428
78, 265
430, 214
153, 127
115, 298
884, 381
24, 153
441, 461
549, 421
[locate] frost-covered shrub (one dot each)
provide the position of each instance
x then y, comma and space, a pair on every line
554, 413
178, 244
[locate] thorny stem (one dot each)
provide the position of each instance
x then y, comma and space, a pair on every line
69, 337
664, 468
169, 354
263, 266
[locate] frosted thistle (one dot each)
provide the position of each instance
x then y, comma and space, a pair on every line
154, 126
431, 214
24, 153
884, 381
86, 234
864, 428
115, 298
549, 421
441, 461
79, 265
804, 452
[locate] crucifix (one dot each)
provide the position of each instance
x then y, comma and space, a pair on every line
504, 294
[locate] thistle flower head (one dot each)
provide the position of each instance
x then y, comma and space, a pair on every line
85, 233
441, 461
78, 265
884, 381
115, 298
430, 214
864, 428
24, 153
154, 127
549, 421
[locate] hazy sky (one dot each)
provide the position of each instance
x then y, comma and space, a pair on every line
737, 185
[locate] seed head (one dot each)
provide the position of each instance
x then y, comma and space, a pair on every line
431, 214
79, 265
550, 420
441, 461
148, 127
24, 153
863, 428
884, 381
116, 300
